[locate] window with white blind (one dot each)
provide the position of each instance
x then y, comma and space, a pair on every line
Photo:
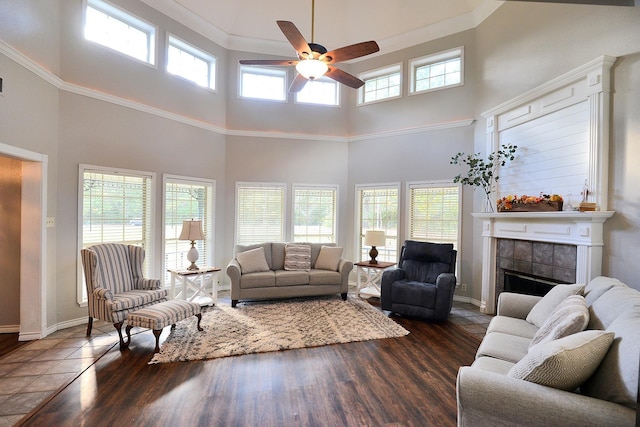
115, 207
314, 214
186, 199
119, 30
378, 210
260, 212
434, 212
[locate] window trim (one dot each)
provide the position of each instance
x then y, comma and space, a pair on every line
281, 185
380, 72
435, 184
358, 219
129, 19
432, 59
273, 71
149, 251
335, 187
211, 60
210, 236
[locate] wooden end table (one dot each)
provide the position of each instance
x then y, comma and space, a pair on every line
372, 274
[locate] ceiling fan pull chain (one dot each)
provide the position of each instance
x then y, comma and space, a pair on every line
313, 19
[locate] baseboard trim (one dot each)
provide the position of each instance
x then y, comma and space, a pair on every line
9, 329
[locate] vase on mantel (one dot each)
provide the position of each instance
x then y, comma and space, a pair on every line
487, 205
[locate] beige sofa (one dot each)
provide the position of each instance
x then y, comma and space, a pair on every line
510, 384
252, 278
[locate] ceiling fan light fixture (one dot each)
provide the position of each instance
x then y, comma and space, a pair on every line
312, 68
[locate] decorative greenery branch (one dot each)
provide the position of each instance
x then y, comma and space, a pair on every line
483, 173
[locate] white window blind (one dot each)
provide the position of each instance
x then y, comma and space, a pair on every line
378, 210
116, 208
259, 213
434, 213
314, 214
187, 199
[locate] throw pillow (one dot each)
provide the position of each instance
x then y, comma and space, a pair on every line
329, 258
541, 311
569, 317
564, 363
297, 257
252, 261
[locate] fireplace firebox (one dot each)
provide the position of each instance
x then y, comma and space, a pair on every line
529, 284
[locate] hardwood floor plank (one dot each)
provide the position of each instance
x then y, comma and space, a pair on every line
406, 381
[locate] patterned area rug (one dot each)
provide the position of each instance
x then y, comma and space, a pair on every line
257, 327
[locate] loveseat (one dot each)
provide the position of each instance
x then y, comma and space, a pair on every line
568, 377
283, 270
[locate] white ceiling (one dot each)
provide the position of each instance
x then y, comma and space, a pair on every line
250, 25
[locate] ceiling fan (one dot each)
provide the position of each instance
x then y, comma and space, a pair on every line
314, 61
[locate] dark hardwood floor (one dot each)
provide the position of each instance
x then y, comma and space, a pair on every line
9, 343
407, 381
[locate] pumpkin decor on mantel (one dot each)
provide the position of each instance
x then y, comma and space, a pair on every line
542, 203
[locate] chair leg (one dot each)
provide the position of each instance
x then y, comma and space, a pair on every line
118, 327
344, 296
89, 326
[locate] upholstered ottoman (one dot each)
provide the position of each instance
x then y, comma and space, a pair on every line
157, 316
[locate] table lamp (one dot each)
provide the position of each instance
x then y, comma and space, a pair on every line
374, 238
192, 230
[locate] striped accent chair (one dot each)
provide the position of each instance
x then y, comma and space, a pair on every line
115, 284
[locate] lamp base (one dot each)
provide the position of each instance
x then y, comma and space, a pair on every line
193, 256
373, 253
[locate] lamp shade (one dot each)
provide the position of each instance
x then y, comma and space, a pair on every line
191, 230
374, 238
312, 68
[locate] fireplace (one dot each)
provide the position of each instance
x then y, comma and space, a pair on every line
571, 244
529, 284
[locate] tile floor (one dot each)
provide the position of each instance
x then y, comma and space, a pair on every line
33, 372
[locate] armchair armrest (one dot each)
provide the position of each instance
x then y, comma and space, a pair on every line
102, 293
445, 287
516, 305
344, 268
389, 276
488, 399
234, 272
144, 283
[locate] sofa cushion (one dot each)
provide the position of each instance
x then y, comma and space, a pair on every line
569, 317
297, 256
541, 311
252, 261
564, 363
291, 278
329, 258
410, 292
494, 365
611, 304
616, 379
324, 277
262, 279
277, 255
512, 326
503, 346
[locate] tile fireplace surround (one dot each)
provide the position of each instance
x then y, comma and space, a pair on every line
582, 229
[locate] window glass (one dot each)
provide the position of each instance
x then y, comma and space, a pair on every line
259, 213
190, 63
116, 208
116, 29
322, 91
314, 214
186, 199
436, 71
263, 83
378, 210
381, 84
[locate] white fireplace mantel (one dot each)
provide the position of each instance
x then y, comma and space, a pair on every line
583, 229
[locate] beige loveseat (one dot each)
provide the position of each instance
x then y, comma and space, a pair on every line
587, 378
258, 271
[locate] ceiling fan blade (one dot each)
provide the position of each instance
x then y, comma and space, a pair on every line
344, 78
268, 62
298, 83
296, 39
350, 52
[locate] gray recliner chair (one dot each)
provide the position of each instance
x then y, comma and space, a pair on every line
423, 282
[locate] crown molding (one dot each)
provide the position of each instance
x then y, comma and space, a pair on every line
60, 84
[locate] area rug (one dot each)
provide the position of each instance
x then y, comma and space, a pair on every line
257, 327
